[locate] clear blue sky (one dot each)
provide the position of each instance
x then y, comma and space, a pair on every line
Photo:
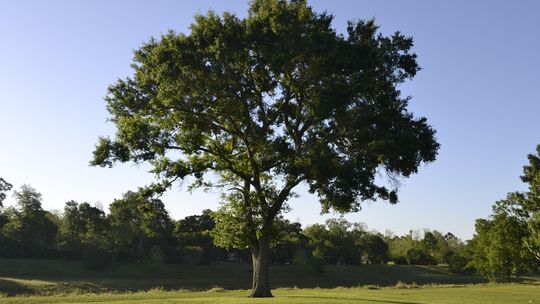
478, 88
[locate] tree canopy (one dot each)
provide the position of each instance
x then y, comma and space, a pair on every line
266, 103
510, 241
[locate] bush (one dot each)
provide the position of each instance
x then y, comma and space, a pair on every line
156, 256
193, 255
299, 257
95, 258
316, 261
400, 260
417, 256
458, 263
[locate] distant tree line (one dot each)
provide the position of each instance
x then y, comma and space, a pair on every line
138, 229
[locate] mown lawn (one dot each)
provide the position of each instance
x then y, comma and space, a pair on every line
472, 294
59, 281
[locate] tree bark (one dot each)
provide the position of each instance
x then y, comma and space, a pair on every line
260, 255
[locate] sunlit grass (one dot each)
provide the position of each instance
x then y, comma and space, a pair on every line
473, 294
59, 281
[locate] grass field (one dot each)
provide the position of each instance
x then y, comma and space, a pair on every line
471, 294
57, 281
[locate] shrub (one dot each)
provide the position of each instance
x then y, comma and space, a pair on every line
156, 256
458, 263
193, 255
96, 258
316, 260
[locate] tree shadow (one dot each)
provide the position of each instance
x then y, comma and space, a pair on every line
11, 287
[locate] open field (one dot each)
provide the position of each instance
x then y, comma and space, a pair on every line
58, 281
58, 276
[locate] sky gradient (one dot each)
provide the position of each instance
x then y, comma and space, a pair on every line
478, 87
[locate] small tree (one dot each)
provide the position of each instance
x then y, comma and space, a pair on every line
266, 103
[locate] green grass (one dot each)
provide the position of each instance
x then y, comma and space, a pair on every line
57, 276
472, 294
58, 281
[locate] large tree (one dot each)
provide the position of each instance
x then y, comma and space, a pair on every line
267, 103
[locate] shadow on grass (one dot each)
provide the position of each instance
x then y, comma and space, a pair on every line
11, 287
26, 276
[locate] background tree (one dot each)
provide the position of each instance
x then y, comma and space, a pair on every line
517, 220
30, 228
342, 241
531, 204
317, 235
195, 231
338, 241
4, 187
498, 246
291, 242
266, 103
83, 226
140, 227
398, 246
435, 246
374, 248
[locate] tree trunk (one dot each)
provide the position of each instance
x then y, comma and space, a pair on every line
260, 255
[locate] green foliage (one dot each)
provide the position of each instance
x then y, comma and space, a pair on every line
290, 244
234, 228
510, 241
317, 260
436, 246
4, 187
531, 204
83, 226
195, 231
398, 248
278, 96
533, 241
458, 262
138, 222
433, 248
498, 246
338, 240
266, 103
419, 256
29, 230
374, 248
